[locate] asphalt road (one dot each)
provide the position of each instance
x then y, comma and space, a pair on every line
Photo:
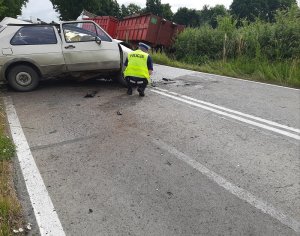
163, 164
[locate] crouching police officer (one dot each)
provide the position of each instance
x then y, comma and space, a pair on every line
139, 67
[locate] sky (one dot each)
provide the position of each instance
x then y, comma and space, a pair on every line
43, 9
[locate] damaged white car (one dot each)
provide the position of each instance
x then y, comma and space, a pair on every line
82, 49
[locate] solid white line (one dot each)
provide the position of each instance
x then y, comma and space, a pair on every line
245, 80
288, 134
46, 216
233, 111
235, 190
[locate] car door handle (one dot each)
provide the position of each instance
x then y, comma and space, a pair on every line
69, 47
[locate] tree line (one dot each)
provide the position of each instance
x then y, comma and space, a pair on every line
11, 8
239, 9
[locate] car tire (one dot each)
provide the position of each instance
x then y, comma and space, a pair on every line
23, 78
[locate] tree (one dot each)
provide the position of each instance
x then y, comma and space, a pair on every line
154, 6
210, 15
71, 9
124, 11
11, 8
215, 13
166, 11
188, 17
264, 9
131, 9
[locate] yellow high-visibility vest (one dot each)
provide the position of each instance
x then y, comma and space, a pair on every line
137, 65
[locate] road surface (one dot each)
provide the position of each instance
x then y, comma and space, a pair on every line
200, 154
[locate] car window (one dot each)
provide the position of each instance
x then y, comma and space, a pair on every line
34, 35
83, 32
102, 35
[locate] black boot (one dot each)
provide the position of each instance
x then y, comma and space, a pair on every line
129, 91
141, 92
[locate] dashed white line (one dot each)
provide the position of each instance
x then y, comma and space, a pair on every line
235, 190
46, 216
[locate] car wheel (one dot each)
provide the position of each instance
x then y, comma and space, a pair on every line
23, 78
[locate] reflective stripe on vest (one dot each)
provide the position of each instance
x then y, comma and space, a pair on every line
137, 65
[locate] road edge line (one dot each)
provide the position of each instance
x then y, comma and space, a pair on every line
45, 213
192, 72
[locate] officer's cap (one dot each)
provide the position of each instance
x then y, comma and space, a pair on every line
144, 46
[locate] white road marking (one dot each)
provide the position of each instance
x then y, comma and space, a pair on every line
233, 111
197, 73
244, 80
46, 216
235, 190
267, 127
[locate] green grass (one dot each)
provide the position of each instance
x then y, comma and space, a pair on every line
10, 208
285, 73
7, 149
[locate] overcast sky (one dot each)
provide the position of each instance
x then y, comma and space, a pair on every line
43, 8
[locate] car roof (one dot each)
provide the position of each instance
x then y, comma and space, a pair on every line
10, 20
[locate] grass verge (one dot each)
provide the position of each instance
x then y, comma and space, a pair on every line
10, 208
284, 73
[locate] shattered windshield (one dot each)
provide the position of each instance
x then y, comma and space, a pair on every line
83, 32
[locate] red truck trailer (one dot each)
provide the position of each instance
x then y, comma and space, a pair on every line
108, 23
148, 28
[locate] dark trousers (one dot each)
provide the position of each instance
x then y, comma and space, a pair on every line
140, 83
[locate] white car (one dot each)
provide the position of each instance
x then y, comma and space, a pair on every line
82, 49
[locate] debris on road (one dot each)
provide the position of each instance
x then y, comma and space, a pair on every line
25, 229
119, 113
168, 81
168, 163
153, 84
28, 227
90, 211
91, 94
20, 230
170, 194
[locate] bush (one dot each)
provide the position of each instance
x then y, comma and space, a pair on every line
260, 40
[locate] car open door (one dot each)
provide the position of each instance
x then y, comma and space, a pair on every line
87, 47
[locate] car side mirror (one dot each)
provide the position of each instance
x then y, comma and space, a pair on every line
98, 40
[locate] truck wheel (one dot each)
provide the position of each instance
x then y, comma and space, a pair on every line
23, 78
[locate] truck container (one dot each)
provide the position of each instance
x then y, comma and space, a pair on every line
151, 29
166, 33
139, 28
148, 28
108, 23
